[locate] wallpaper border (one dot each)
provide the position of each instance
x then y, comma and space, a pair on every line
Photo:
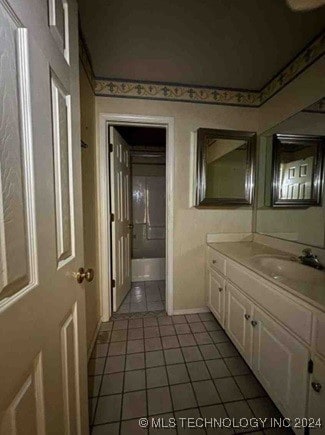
105, 87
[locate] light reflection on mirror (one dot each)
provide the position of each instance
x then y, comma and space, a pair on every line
226, 168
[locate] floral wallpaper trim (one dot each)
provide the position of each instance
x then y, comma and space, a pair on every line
116, 88
200, 94
306, 58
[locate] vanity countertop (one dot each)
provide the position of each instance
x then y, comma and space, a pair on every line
311, 291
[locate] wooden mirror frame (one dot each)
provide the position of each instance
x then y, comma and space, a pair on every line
203, 134
317, 179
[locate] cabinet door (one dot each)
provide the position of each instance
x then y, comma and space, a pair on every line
320, 334
317, 394
280, 362
238, 327
216, 295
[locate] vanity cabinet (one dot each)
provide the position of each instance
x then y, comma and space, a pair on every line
317, 392
320, 334
281, 337
238, 323
280, 362
216, 295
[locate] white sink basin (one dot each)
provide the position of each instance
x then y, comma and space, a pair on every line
288, 271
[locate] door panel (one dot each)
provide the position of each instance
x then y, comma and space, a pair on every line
17, 222
28, 404
43, 363
120, 204
239, 313
61, 123
59, 25
70, 365
280, 362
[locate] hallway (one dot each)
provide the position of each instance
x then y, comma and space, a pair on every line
144, 297
172, 367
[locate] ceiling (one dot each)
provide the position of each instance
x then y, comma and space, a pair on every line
225, 43
143, 136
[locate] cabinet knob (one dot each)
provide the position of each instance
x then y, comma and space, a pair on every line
220, 289
247, 316
214, 261
254, 323
316, 386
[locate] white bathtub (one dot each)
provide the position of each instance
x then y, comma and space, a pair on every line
148, 269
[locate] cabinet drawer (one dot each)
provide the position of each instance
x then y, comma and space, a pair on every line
320, 334
291, 314
216, 261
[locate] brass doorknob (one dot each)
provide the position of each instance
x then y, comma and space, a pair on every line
82, 274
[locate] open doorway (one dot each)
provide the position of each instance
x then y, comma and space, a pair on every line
107, 120
137, 161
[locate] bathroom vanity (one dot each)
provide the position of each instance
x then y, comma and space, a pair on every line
273, 310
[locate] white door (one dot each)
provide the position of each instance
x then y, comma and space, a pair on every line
42, 309
238, 327
317, 395
296, 180
121, 224
216, 295
280, 362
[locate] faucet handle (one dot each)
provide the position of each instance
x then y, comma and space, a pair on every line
307, 252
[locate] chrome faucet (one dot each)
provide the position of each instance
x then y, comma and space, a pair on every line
310, 259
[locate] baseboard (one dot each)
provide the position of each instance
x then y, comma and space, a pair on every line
93, 340
191, 311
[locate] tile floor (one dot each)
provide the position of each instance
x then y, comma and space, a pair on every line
178, 366
144, 296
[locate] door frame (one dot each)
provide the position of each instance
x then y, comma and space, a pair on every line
103, 203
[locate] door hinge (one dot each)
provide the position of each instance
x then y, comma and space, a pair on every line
310, 366
110, 147
112, 217
113, 283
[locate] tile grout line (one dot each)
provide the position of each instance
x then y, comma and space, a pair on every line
123, 383
197, 345
169, 389
101, 382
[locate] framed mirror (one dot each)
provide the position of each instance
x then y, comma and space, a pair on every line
297, 170
295, 222
225, 167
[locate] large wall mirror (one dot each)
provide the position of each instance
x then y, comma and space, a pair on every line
290, 181
225, 167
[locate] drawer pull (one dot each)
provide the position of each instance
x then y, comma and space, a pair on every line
316, 386
247, 316
214, 261
220, 289
254, 323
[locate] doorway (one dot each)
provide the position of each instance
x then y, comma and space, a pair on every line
146, 225
150, 144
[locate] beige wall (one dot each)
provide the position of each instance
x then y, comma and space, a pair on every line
305, 90
191, 225
87, 108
